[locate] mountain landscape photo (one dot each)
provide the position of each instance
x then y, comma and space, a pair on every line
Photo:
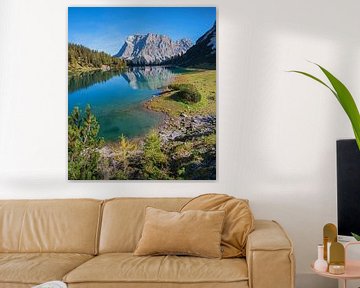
142, 93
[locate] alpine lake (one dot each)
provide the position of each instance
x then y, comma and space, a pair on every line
117, 98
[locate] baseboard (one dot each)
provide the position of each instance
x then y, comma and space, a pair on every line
309, 280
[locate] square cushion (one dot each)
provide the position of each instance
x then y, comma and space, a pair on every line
193, 232
123, 220
36, 268
158, 270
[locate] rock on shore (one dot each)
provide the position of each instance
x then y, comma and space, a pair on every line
187, 127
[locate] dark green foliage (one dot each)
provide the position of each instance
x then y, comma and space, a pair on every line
178, 86
83, 145
83, 80
186, 93
194, 159
80, 56
154, 159
123, 154
201, 55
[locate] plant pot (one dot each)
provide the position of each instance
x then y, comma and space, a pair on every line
348, 187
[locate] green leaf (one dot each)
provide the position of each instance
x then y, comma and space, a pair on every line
347, 102
357, 137
316, 79
356, 236
344, 97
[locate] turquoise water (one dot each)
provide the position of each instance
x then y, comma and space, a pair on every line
117, 99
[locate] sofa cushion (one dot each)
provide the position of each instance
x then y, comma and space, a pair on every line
239, 220
194, 232
236, 284
36, 268
123, 220
15, 285
63, 226
126, 268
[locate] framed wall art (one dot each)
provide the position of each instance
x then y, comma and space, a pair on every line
142, 93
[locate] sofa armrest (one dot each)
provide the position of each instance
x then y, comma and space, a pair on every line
269, 256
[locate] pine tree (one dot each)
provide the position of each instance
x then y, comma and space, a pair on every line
83, 145
123, 153
81, 56
154, 160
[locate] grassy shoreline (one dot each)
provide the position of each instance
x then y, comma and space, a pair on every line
82, 70
205, 83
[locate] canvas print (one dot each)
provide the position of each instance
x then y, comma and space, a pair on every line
142, 93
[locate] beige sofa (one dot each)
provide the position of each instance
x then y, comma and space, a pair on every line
89, 243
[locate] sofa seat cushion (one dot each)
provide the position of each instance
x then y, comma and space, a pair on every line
242, 284
36, 268
127, 268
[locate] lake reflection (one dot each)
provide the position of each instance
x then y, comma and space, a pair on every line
148, 77
117, 98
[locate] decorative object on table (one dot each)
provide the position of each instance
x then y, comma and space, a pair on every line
344, 97
344, 273
336, 269
337, 258
329, 236
142, 93
320, 264
52, 284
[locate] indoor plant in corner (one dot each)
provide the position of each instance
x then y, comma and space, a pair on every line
347, 102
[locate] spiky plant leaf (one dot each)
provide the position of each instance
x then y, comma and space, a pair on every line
344, 97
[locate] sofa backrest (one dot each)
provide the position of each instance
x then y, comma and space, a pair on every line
67, 226
123, 220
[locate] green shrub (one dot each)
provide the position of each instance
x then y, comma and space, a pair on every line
186, 93
154, 160
83, 145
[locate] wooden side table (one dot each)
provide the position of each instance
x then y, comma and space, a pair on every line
352, 268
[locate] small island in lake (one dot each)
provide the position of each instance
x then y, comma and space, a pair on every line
148, 110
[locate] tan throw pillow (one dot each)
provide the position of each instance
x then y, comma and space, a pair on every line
239, 220
196, 233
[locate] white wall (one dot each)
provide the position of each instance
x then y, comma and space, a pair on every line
276, 131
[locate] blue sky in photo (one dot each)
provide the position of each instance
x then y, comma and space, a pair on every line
106, 28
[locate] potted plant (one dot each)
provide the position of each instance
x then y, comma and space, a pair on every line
346, 100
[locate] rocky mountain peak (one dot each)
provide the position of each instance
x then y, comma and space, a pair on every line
152, 48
